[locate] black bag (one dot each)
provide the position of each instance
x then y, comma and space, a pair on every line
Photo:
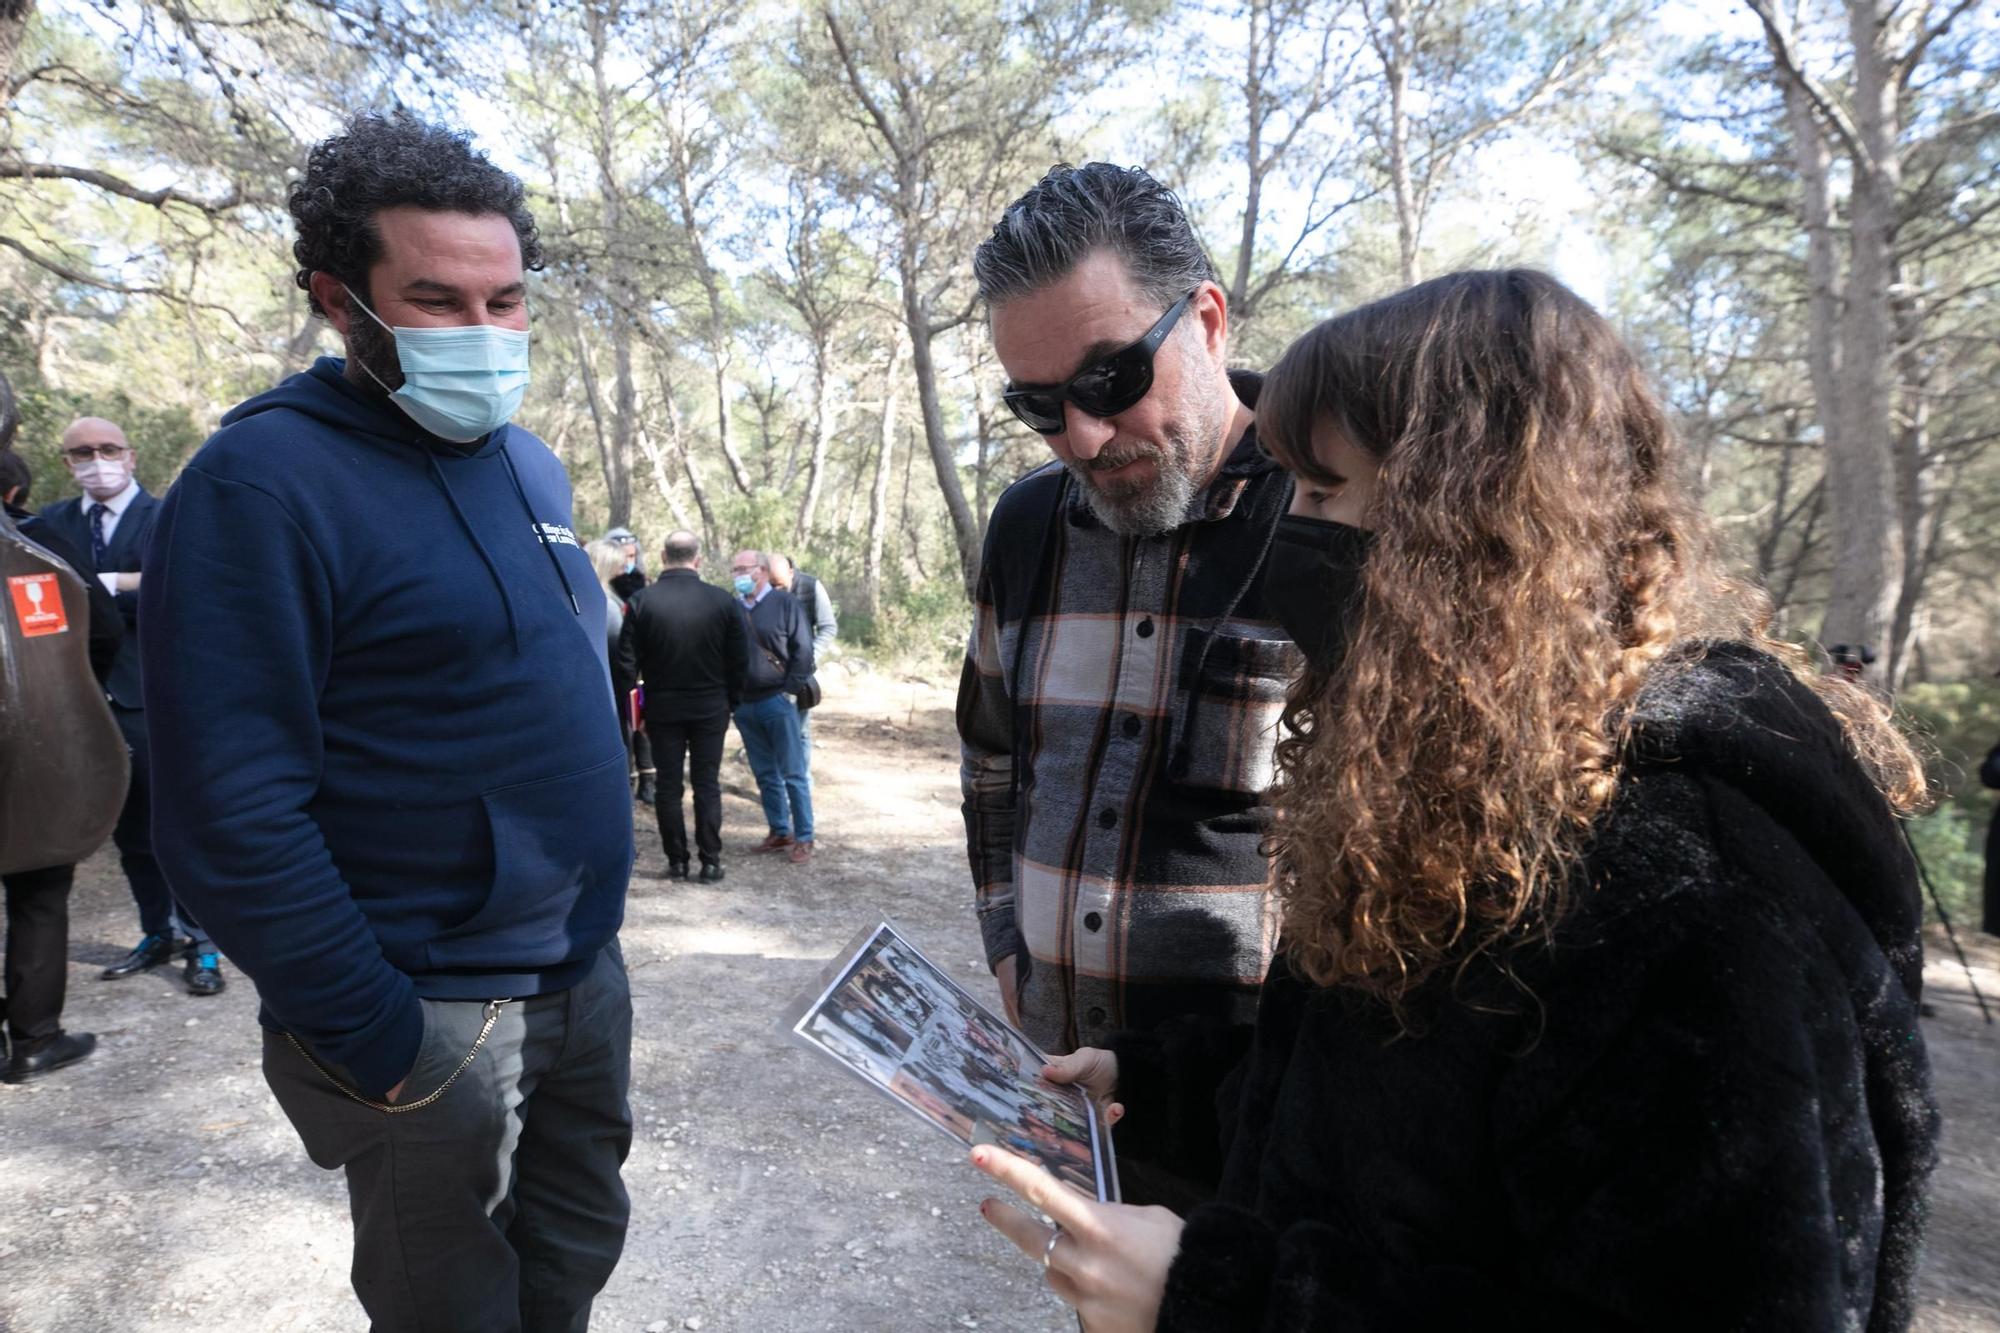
808, 698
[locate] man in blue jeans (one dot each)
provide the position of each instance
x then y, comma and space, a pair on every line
781, 664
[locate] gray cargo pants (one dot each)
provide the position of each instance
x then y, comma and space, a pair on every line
497, 1207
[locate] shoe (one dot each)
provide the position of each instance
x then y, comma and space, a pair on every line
777, 842
32, 1059
711, 873
204, 974
802, 852
147, 954
649, 794
677, 870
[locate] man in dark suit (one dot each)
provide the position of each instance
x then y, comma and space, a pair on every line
691, 645
112, 522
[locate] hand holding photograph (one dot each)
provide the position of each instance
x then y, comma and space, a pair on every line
890, 1017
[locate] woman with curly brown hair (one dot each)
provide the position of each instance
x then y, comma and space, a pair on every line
1596, 1003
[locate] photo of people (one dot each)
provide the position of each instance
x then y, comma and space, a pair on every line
890, 1016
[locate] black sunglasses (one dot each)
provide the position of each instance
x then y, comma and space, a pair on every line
1104, 388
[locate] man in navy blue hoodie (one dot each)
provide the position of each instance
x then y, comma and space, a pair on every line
388, 770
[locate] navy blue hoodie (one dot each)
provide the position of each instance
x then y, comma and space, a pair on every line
386, 763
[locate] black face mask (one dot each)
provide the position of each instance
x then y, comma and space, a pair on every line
1312, 584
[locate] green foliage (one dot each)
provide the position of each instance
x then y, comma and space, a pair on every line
920, 628
1951, 845
163, 434
1958, 723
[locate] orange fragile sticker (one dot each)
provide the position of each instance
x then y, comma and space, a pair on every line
38, 604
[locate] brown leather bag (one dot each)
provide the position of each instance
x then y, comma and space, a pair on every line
63, 761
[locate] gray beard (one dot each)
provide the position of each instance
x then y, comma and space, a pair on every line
1162, 505
1159, 508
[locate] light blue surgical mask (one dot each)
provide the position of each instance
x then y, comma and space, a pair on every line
745, 585
460, 382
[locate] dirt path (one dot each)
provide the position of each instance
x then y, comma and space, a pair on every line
156, 1186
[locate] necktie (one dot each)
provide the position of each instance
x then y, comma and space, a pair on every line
97, 542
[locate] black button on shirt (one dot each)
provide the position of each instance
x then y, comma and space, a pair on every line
1146, 629
1093, 921
1106, 818
1130, 726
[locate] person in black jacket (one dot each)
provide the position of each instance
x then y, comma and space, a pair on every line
625, 584
37, 966
1595, 1004
781, 666
112, 524
690, 643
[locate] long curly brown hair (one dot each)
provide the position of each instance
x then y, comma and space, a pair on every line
1535, 557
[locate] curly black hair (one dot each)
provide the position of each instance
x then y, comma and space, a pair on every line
388, 161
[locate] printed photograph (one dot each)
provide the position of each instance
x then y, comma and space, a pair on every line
893, 1018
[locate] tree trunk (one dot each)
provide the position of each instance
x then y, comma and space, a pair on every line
1253, 153
912, 532
878, 498
13, 22
593, 396
963, 525
1860, 479
822, 439
982, 418
624, 418
718, 332
1396, 62
1918, 513
656, 458
10, 414
617, 454
711, 531
299, 345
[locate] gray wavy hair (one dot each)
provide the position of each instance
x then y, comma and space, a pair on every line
1072, 212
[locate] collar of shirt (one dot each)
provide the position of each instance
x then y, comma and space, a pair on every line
118, 503
752, 601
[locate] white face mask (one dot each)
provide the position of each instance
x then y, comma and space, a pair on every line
102, 478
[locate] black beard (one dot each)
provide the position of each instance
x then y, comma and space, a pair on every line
373, 350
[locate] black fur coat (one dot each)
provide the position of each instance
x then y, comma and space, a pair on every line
1713, 1114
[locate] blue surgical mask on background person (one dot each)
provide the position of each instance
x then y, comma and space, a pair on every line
460, 382
745, 585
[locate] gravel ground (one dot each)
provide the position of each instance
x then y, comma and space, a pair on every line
156, 1185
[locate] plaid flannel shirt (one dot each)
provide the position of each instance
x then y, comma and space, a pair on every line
1117, 713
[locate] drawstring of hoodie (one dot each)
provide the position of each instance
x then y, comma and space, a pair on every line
535, 523
513, 623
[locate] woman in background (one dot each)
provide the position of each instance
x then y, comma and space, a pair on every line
1596, 1001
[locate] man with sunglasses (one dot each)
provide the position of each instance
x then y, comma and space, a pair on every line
113, 522
1124, 679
